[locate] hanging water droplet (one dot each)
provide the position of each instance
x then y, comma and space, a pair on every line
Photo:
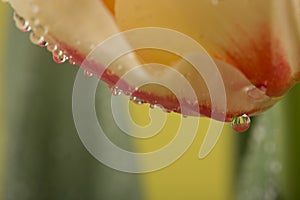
40, 30
241, 123
58, 56
164, 109
136, 100
152, 106
38, 40
88, 73
21, 23
52, 47
116, 91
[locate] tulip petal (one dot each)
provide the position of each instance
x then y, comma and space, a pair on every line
255, 54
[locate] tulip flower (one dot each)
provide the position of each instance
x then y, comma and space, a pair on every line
254, 44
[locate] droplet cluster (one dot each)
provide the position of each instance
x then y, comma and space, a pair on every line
38, 36
21, 23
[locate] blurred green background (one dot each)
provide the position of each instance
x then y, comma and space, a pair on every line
42, 156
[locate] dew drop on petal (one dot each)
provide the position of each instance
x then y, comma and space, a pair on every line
58, 56
72, 61
116, 91
241, 123
21, 23
152, 106
40, 30
52, 47
136, 100
34, 21
38, 40
110, 72
256, 94
88, 73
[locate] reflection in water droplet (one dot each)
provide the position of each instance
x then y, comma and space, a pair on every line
58, 56
241, 123
116, 91
88, 73
38, 40
21, 23
52, 47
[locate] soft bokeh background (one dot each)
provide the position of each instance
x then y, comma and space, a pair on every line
42, 156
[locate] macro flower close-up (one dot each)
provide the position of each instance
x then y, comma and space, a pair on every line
139, 99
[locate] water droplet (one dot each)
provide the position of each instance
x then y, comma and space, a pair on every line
127, 92
164, 109
40, 30
241, 123
136, 100
72, 60
116, 91
52, 47
21, 23
152, 106
35, 21
88, 73
38, 40
109, 72
257, 94
58, 56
